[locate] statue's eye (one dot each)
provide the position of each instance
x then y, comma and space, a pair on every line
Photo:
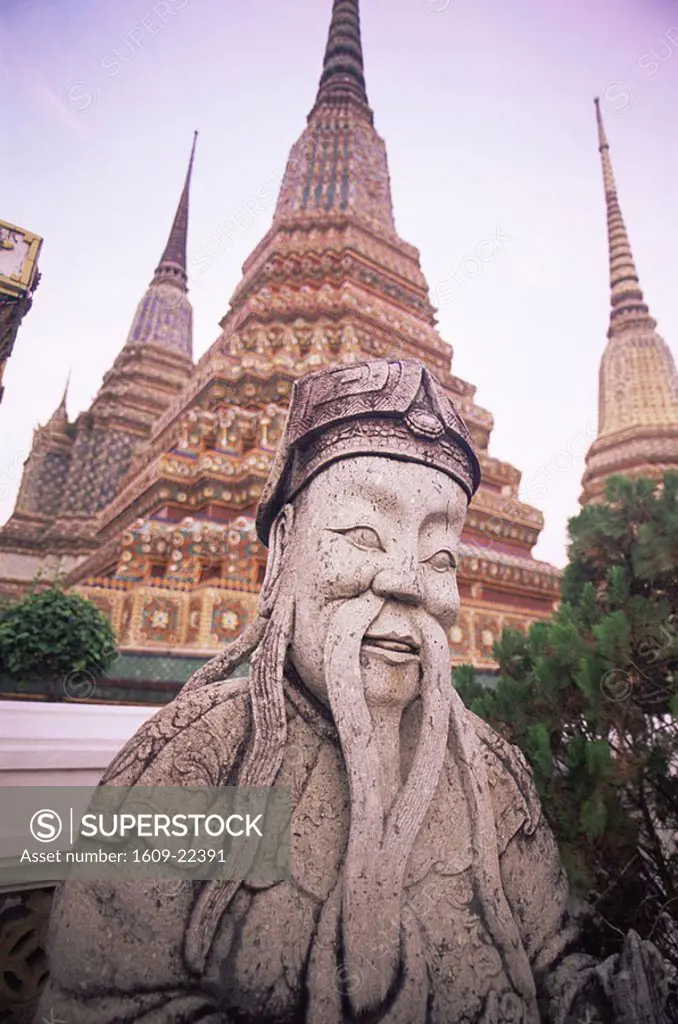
442, 561
363, 537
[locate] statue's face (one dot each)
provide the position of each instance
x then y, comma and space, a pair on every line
380, 527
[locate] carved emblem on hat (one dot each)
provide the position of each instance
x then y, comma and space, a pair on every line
424, 424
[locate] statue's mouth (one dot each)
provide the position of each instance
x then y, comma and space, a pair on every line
403, 648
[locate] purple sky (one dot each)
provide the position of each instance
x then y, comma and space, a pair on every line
486, 109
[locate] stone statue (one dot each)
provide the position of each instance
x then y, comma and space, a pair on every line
426, 886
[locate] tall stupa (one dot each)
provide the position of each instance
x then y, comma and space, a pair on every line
172, 556
74, 470
638, 388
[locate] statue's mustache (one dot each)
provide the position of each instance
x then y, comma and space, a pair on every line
393, 619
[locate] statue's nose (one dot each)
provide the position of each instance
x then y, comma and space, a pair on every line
401, 584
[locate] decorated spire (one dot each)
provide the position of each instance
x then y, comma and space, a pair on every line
627, 299
172, 266
338, 166
637, 396
164, 317
342, 79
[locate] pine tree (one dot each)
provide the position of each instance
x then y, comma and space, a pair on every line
591, 698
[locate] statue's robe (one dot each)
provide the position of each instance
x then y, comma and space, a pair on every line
117, 951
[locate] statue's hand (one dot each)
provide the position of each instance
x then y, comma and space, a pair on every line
628, 988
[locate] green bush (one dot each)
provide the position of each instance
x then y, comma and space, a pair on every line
53, 636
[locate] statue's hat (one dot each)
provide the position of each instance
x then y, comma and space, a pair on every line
393, 408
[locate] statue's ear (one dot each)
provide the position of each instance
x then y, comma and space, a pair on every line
278, 542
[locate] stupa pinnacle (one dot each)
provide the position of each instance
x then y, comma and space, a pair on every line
60, 414
637, 400
627, 301
172, 266
164, 316
343, 78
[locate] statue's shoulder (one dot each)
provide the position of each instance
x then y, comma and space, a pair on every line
513, 792
192, 741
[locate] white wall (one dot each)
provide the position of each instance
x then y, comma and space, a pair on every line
46, 744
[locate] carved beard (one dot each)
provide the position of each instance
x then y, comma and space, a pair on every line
381, 839
368, 877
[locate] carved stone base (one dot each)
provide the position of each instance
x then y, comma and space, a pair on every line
24, 917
